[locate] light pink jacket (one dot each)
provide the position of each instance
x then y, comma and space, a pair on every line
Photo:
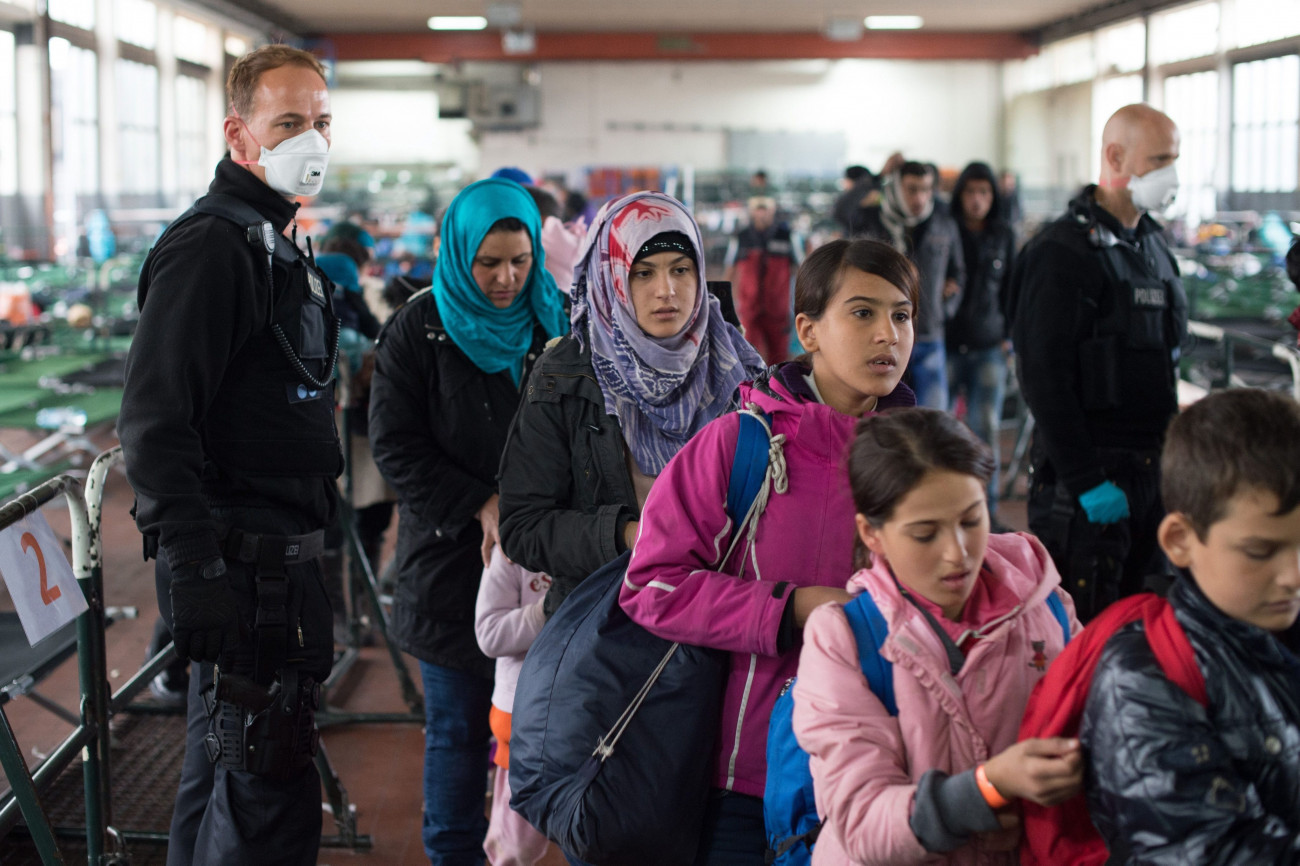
865, 764
507, 619
676, 588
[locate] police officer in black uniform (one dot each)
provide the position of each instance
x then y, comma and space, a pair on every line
1099, 318
227, 426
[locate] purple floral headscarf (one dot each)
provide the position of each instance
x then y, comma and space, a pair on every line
662, 389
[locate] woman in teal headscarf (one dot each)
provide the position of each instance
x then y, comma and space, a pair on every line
447, 373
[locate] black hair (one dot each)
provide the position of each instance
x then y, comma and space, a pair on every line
912, 168
546, 203
893, 451
819, 277
349, 247
857, 172
1226, 442
508, 224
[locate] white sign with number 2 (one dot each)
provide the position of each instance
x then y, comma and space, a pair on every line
45, 592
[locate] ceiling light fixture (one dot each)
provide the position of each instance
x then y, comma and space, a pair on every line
457, 22
843, 29
893, 22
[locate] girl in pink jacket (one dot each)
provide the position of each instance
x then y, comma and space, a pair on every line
854, 303
970, 633
507, 619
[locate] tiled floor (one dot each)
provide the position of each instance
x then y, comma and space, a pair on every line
380, 765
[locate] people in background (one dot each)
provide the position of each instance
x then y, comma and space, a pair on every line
687, 582
1098, 320
907, 219
448, 372
761, 262
1010, 207
1172, 780
650, 361
970, 632
977, 334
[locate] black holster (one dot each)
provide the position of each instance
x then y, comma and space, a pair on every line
266, 732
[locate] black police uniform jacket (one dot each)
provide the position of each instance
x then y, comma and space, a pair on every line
1097, 322
1172, 782
214, 414
438, 425
566, 492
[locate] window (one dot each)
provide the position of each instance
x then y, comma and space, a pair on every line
1193, 103
136, 22
1265, 124
1184, 33
137, 114
74, 117
78, 13
1254, 22
193, 41
1072, 60
193, 171
1122, 48
8, 117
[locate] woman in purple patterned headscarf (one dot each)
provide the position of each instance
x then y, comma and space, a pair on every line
649, 362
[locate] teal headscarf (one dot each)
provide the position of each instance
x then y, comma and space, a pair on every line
493, 339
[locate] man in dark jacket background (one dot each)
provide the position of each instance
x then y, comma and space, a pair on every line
907, 219
1099, 317
976, 335
227, 426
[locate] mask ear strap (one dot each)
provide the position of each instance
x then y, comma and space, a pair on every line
235, 113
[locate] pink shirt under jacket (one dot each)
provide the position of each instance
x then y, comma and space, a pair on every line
865, 764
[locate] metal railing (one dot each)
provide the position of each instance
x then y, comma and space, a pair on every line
1230, 340
89, 738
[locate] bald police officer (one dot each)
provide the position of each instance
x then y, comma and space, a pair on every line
1099, 318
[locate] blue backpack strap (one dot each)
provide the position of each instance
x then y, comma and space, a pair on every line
752, 443
870, 630
1057, 608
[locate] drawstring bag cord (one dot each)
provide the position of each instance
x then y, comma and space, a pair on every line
775, 480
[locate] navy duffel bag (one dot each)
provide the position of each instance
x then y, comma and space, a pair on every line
608, 775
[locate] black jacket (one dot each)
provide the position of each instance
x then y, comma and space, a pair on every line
980, 321
438, 425
989, 254
1097, 321
1170, 782
212, 415
566, 493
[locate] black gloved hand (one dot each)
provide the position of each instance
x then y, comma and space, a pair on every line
204, 616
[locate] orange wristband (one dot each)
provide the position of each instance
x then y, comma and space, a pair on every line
990, 793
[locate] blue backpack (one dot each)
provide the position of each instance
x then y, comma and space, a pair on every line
789, 810
613, 727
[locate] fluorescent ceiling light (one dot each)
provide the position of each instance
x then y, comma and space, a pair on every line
457, 22
893, 22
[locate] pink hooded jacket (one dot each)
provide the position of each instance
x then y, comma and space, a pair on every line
677, 588
866, 764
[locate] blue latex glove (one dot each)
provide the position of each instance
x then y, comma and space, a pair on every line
1104, 503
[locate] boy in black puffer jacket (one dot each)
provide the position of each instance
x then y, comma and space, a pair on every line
1170, 781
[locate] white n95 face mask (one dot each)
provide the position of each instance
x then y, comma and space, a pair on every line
297, 165
1155, 190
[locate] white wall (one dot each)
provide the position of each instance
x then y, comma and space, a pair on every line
948, 112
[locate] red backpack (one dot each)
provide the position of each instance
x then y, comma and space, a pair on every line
1064, 833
